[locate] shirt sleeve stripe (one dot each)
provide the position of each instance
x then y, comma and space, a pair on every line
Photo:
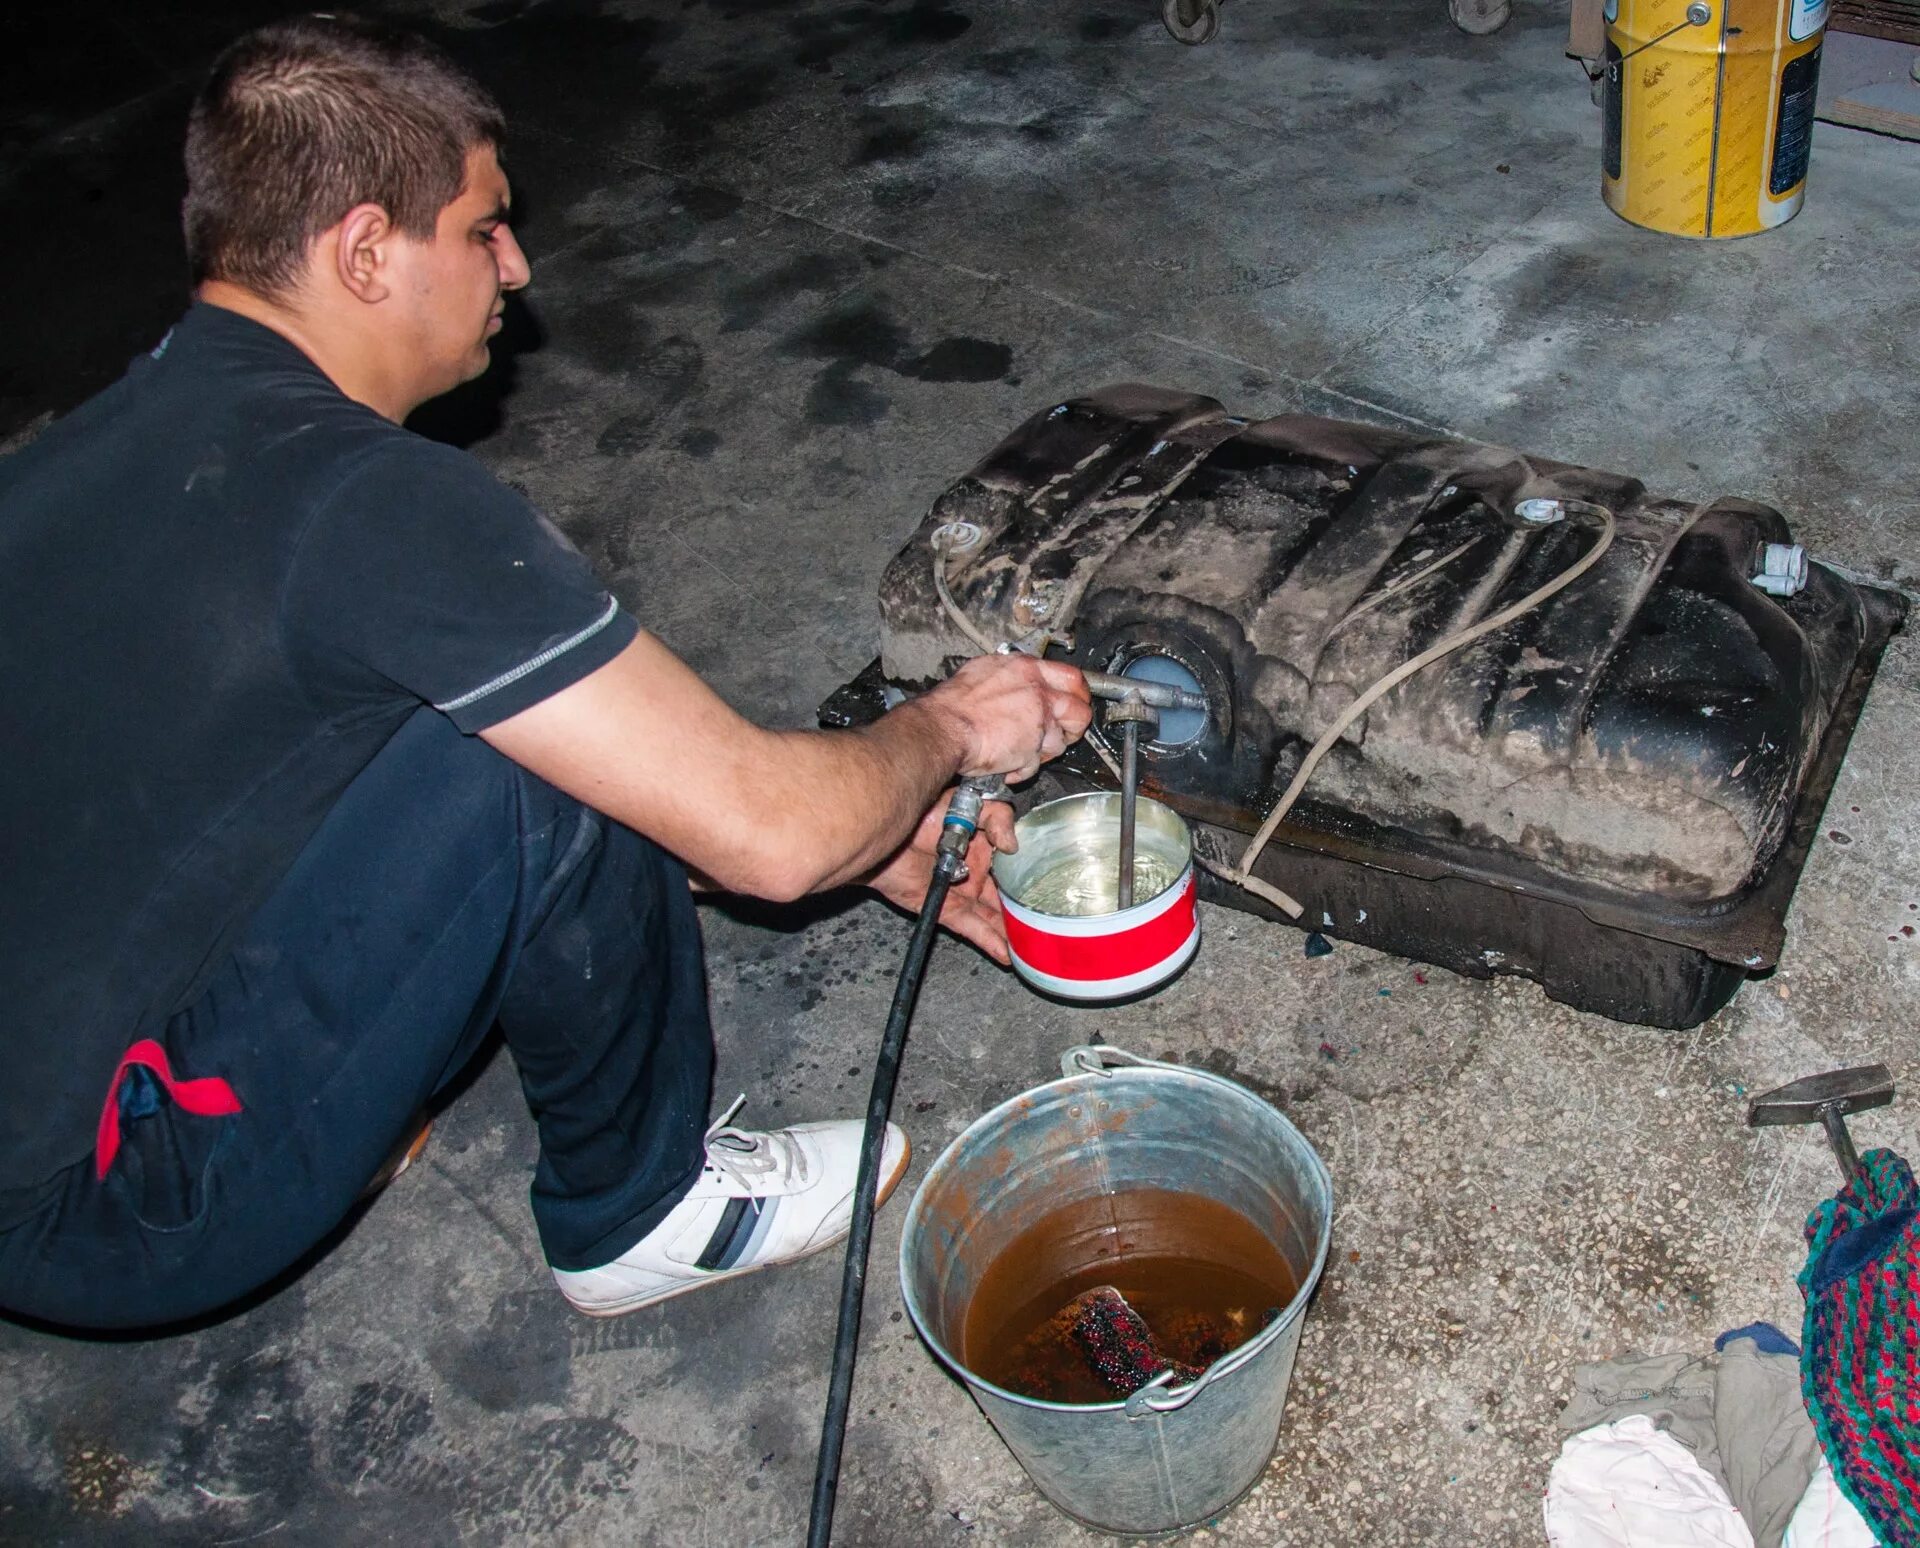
551, 653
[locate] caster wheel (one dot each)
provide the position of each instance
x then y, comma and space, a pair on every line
1479, 17
1192, 21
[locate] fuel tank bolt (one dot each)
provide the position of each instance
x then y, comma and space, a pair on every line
1783, 570
1540, 513
1037, 603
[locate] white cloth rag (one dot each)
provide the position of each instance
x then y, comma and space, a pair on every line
1630, 1484
1826, 1518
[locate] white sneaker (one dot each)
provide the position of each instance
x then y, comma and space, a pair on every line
761, 1199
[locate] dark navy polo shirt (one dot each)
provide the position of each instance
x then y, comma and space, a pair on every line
223, 586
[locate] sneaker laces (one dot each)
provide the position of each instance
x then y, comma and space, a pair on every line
743, 1156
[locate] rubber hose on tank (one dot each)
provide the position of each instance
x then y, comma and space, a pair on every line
853, 1282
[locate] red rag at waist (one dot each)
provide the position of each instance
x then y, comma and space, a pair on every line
207, 1097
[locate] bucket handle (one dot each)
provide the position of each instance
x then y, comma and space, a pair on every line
1099, 1058
1157, 1396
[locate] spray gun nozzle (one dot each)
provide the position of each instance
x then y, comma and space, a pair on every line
963, 819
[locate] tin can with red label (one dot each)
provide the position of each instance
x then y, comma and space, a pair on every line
1061, 889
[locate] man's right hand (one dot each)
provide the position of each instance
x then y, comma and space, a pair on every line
1011, 713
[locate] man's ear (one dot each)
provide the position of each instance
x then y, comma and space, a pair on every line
361, 256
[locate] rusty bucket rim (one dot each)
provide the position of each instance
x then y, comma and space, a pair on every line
1135, 1068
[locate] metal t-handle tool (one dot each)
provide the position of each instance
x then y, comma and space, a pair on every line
1113, 687
1130, 713
1105, 685
1826, 1100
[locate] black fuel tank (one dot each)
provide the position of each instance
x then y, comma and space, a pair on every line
1612, 794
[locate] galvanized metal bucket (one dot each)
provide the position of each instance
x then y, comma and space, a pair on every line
1167, 1457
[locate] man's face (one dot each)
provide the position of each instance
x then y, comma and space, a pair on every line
452, 288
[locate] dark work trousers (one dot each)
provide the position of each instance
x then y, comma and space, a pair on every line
448, 890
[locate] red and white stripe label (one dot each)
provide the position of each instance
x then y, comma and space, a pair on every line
1108, 956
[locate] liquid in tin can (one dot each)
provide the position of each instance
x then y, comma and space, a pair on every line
1083, 882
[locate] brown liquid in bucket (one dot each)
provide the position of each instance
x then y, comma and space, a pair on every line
1201, 1275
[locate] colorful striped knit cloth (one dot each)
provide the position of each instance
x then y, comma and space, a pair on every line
1861, 1371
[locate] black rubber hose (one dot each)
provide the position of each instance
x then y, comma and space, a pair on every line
853, 1282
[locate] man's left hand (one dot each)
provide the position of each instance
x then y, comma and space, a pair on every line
972, 910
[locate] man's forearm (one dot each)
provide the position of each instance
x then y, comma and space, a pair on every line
775, 814
859, 793
782, 813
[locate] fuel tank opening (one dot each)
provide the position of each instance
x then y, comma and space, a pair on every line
1178, 727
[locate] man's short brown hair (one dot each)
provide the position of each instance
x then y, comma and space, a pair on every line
305, 119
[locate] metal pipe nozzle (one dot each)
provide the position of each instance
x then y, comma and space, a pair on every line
1108, 685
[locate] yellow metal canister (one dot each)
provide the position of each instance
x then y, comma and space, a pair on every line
1708, 112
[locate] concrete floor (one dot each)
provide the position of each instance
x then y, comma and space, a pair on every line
750, 224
